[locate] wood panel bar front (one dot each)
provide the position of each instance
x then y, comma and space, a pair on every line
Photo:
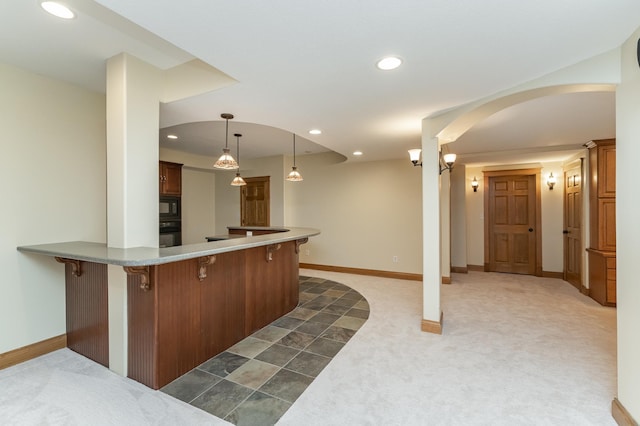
186, 318
87, 316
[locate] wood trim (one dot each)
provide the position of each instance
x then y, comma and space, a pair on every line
142, 272
446, 280
34, 350
369, 272
548, 274
271, 248
513, 172
460, 269
573, 164
203, 262
476, 268
621, 415
538, 224
584, 290
76, 266
434, 327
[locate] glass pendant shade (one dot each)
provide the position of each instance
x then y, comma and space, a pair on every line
226, 161
449, 159
414, 155
238, 181
294, 175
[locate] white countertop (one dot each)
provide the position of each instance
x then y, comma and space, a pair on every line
142, 256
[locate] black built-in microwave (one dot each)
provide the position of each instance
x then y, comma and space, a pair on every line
169, 208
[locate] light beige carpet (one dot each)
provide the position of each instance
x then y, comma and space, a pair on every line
516, 350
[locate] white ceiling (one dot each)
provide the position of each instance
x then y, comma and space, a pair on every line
310, 64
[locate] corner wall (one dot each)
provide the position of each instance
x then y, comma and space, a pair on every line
54, 177
627, 228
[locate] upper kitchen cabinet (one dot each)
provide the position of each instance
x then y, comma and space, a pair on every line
170, 178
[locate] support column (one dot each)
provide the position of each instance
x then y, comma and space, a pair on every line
133, 109
431, 311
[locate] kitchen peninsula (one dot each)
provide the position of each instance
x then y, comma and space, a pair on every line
185, 304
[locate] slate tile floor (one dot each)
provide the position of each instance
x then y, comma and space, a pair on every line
258, 379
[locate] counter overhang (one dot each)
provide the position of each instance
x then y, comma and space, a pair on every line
146, 256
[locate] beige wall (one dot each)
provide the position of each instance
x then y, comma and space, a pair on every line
627, 228
552, 219
459, 215
198, 205
368, 212
54, 175
475, 218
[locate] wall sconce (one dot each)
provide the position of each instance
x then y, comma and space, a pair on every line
551, 180
414, 156
474, 184
445, 162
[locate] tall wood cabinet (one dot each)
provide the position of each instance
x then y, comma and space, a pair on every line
602, 210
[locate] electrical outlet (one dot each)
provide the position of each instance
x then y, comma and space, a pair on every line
395, 259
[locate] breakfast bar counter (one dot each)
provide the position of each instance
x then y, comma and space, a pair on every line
184, 304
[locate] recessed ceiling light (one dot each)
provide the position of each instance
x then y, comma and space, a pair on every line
389, 63
357, 153
172, 137
58, 9
315, 131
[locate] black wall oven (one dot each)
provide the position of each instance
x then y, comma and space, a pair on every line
170, 233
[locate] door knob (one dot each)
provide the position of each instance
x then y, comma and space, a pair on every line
565, 231
530, 229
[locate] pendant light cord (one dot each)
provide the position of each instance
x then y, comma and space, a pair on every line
226, 138
238, 151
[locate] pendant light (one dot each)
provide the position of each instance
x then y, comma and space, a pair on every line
226, 161
238, 181
294, 175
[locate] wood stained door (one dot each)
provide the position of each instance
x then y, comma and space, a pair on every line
255, 202
512, 225
573, 226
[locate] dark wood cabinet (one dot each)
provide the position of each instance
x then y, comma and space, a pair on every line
170, 178
602, 210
